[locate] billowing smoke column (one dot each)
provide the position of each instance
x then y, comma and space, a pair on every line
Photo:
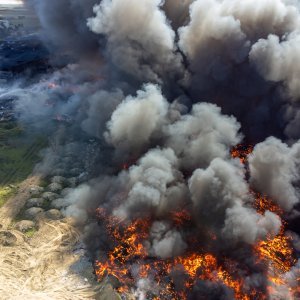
167, 89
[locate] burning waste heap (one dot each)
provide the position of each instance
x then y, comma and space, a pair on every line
193, 112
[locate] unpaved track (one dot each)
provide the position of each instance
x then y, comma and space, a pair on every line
39, 268
13, 206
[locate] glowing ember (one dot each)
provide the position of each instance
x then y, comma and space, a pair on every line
263, 203
52, 85
125, 166
241, 151
130, 250
276, 253
180, 217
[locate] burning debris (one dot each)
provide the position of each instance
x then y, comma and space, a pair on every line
135, 263
192, 178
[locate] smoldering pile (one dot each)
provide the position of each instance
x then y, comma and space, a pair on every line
166, 89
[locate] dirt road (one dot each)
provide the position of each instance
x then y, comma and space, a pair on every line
40, 267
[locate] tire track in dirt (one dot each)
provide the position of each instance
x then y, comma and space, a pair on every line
13, 205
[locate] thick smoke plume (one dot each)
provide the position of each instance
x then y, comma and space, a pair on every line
161, 91
274, 170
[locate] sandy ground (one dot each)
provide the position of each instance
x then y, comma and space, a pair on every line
12, 207
41, 267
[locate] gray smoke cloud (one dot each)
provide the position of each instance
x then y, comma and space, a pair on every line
149, 181
245, 224
220, 195
232, 27
202, 135
155, 185
136, 119
204, 49
135, 36
231, 46
165, 241
274, 169
276, 60
212, 33
104, 102
64, 24
177, 11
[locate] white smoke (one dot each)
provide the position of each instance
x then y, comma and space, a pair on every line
137, 118
278, 61
245, 224
203, 135
165, 241
274, 169
148, 184
136, 36
221, 198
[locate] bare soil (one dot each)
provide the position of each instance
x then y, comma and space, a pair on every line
40, 267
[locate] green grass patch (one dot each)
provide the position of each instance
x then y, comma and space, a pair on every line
30, 232
9, 130
13, 167
19, 152
18, 158
6, 193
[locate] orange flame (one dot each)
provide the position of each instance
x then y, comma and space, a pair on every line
241, 151
130, 248
277, 252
